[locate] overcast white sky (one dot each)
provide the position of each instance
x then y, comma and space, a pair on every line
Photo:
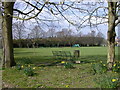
45, 14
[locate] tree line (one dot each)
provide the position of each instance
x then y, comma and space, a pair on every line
65, 37
58, 42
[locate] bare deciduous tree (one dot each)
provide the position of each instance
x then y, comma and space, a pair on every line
18, 30
60, 9
8, 57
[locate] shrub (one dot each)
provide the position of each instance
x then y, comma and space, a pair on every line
108, 81
24, 61
28, 71
68, 65
2, 68
99, 68
18, 67
116, 67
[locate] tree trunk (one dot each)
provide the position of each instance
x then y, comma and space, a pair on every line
8, 56
27, 45
111, 33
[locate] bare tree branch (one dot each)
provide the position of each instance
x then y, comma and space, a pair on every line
30, 11
64, 16
117, 22
24, 13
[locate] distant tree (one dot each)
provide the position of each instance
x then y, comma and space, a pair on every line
80, 34
60, 34
28, 40
100, 34
36, 32
93, 33
67, 32
18, 30
51, 32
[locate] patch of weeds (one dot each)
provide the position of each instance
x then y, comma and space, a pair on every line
41, 86
116, 67
99, 68
18, 67
29, 71
2, 68
107, 81
24, 60
38, 85
68, 65
67, 86
42, 65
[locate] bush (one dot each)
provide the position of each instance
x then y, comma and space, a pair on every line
108, 81
68, 65
28, 71
99, 68
116, 67
18, 67
102, 68
24, 61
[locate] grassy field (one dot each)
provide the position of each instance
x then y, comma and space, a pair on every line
56, 76
87, 54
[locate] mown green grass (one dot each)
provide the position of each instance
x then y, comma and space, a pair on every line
56, 76
87, 54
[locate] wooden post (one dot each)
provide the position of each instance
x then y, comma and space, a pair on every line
76, 54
